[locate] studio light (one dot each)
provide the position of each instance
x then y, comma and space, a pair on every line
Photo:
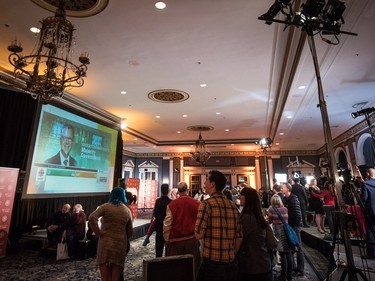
333, 14
315, 16
312, 8
334, 10
200, 155
273, 11
265, 142
49, 71
365, 111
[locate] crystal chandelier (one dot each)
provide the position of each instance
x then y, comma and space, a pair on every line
200, 155
49, 71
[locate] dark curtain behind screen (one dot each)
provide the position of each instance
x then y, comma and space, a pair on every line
17, 114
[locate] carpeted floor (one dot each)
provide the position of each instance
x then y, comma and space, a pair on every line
28, 264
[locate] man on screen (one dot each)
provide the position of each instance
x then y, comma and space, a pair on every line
63, 157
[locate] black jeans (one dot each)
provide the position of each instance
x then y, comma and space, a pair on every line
72, 242
286, 260
159, 244
218, 271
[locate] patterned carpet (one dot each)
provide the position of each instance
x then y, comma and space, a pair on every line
28, 264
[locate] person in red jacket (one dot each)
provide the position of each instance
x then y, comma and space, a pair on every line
179, 224
328, 196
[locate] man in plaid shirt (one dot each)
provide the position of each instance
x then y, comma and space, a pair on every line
218, 225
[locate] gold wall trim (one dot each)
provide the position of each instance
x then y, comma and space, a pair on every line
353, 132
270, 153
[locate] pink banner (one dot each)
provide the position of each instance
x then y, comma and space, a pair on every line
8, 183
132, 185
148, 192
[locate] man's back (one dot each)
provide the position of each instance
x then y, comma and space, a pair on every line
219, 221
300, 192
294, 211
160, 211
184, 213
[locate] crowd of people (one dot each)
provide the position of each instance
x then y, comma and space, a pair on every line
224, 229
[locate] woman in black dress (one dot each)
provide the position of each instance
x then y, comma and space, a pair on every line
316, 205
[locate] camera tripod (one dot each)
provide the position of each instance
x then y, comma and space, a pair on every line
345, 223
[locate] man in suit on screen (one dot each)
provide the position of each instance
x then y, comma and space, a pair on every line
63, 157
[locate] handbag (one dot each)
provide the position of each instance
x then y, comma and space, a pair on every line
271, 240
289, 231
62, 250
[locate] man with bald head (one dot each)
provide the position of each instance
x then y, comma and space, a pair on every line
179, 224
60, 222
369, 201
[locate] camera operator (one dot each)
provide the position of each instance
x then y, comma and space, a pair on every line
368, 194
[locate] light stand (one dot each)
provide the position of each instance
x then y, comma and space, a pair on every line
314, 19
350, 270
264, 144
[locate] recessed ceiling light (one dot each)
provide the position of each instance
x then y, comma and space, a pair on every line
178, 132
157, 116
281, 134
227, 130
35, 30
203, 85
185, 115
301, 87
160, 5
289, 117
218, 113
123, 93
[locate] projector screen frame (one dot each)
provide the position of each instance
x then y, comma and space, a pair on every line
112, 129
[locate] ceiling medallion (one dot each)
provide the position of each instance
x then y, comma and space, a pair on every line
75, 8
200, 128
168, 96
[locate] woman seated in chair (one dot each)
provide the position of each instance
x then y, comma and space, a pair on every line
76, 229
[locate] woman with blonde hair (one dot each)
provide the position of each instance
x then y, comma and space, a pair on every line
283, 247
316, 205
